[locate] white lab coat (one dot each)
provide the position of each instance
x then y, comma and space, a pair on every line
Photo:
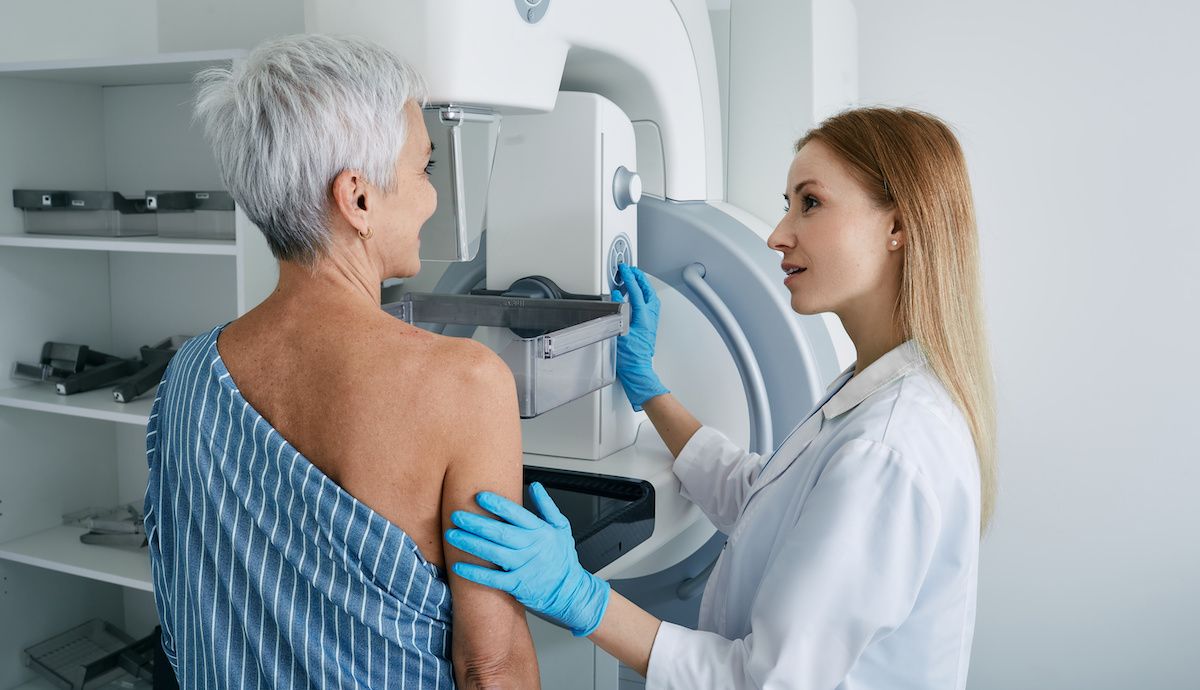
852, 553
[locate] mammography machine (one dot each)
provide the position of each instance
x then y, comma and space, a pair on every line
571, 136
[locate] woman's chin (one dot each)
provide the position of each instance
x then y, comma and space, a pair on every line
407, 267
403, 272
802, 307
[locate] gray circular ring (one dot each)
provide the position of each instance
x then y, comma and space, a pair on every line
532, 11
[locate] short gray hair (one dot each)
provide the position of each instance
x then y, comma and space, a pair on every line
301, 110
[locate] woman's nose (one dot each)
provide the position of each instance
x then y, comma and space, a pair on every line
780, 238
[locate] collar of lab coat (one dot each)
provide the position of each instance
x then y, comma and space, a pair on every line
842, 396
897, 363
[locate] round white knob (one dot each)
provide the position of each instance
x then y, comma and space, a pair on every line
627, 188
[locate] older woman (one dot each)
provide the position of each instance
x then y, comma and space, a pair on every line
305, 458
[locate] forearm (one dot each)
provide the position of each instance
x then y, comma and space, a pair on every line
627, 632
672, 420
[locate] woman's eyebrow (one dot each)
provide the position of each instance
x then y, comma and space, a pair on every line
800, 185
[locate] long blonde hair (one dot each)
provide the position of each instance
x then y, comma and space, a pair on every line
911, 162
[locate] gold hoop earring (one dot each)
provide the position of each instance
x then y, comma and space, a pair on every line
366, 235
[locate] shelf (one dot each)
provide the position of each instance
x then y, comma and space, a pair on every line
146, 245
97, 404
59, 549
165, 68
36, 684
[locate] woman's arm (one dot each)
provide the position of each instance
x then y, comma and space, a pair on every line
538, 565
714, 473
627, 632
635, 362
492, 647
672, 420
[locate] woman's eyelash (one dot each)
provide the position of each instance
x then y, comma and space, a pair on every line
807, 203
429, 167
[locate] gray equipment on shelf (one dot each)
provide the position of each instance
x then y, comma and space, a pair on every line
193, 215
123, 519
91, 214
133, 541
75, 368
119, 526
58, 361
155, 359
78, 368
96, 655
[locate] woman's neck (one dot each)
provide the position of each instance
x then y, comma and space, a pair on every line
874, 334
331, 280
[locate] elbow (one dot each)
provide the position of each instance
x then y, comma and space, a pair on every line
497, 673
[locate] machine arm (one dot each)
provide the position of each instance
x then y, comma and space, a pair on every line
653, 59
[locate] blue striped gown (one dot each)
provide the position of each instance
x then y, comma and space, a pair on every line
266, 573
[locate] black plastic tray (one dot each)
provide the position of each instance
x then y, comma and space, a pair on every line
609, 515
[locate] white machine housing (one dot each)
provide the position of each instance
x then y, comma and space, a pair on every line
553, 210
639, 54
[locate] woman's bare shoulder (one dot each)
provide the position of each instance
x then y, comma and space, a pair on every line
459, 373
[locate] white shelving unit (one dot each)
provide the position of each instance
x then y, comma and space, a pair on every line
122, 125
134, 70
58, 548
142, 245
97, 404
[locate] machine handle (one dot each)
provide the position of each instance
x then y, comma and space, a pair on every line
761, 435
580, 336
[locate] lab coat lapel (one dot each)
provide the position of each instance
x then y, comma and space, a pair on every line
843, 395
798, 440
791, 449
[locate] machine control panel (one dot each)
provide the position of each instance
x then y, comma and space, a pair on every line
619, 253
532, 11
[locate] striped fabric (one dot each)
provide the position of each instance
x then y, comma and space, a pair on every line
266, 573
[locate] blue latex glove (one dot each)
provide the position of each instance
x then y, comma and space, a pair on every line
635, 350
540, 567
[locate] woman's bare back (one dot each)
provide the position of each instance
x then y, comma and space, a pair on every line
410, 423
359, 394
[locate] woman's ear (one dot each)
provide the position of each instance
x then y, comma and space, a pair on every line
896, 236
351, 199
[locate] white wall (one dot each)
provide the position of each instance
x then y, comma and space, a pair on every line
82, 29
1081, 123
776, 83
68, 29
208, 24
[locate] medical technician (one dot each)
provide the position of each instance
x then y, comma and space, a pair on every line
852, 553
